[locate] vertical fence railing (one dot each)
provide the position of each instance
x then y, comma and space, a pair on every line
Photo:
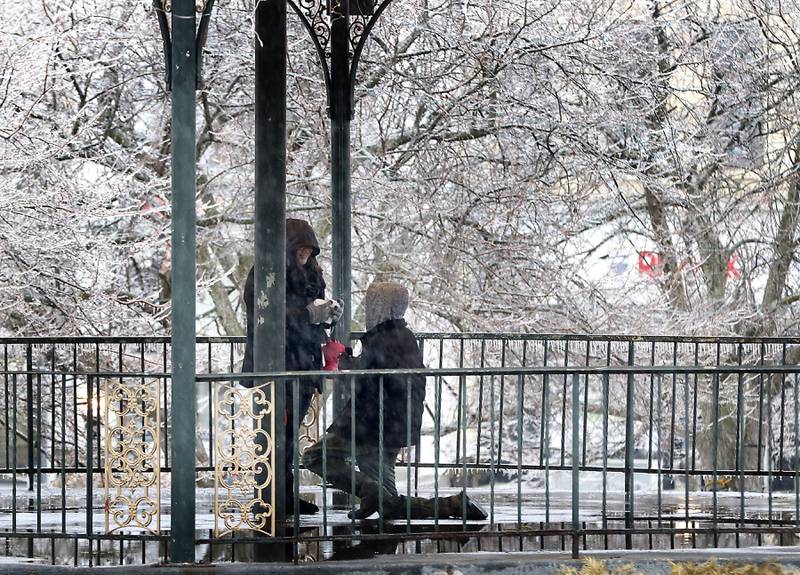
576, 524
629, 521
700, 411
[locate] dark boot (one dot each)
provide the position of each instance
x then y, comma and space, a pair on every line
455, 506
442, 507
369, 502
420, 508
306, 507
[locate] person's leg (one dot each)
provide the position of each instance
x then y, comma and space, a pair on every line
338, 468
375, 468
341, 470
456, 506
306, 391
402, 507
370, 464
397, 506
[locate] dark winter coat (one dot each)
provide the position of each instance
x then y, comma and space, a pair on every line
303, 285
389, 345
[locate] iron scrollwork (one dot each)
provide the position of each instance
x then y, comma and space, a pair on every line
309, 431
359, 34
132, 455
312, 12
244, 489
357, 26
316, 16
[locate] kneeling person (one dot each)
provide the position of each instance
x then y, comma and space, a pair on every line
388, 344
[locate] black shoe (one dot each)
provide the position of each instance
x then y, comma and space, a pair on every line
367, 506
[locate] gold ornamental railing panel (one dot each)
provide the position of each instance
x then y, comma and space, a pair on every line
308, 434
244, 490
132, 454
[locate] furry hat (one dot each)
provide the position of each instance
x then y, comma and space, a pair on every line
385, 301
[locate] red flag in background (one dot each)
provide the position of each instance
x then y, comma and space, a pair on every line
649, 263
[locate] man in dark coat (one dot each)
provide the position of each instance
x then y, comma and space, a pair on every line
305, 332
388, 344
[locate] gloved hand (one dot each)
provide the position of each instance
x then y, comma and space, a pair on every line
338, 311
321, 311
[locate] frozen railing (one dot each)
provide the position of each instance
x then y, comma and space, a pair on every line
575, 442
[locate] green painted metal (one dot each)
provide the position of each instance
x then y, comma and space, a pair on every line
270, 229
89, 464
576, 489
629, 449
341, 222
184, 81
685, 525
428, 335
341, 110
29, 420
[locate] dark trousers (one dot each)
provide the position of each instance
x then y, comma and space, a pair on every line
342, 468
365, 469
306, 390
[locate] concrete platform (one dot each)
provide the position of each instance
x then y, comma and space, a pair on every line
545, 563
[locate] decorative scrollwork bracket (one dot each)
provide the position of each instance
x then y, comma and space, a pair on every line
317, 17
162, 8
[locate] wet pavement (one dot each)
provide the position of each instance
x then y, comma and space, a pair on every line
340, 539
503, 505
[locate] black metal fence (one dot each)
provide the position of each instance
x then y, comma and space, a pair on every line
568, 442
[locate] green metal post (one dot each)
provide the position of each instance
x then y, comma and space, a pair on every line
341, 111
576, 489
184, 75
629, 451
269, 342
29, 389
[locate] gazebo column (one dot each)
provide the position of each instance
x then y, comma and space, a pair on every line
341, 114
184, 390
270, 228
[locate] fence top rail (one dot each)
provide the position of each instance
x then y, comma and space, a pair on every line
603, 337
85, 340
434, 372
506, 371
106, 340
439, 372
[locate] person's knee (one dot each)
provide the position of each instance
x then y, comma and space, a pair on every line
312, 458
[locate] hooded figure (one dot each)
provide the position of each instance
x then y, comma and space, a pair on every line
304, 284
388, 344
